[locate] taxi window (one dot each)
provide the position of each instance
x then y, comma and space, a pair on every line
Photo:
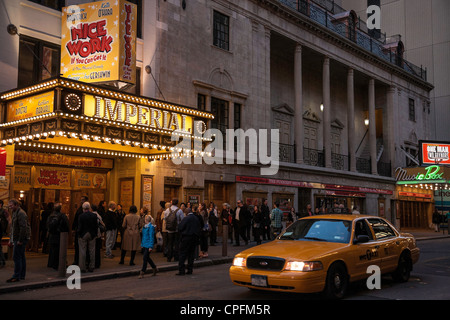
381, 229
362, 229
338, 231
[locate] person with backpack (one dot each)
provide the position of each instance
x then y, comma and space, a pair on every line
173, 216
56, 223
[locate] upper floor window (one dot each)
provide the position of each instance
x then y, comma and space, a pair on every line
201, 102
54, 4
38, 60
412, 110
221, 30
219, 108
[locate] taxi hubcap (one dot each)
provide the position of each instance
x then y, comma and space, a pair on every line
337, 281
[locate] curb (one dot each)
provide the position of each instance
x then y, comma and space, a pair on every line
110, 275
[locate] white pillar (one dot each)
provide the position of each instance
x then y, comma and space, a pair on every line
298, 83
326, 112
372, 128
351, 119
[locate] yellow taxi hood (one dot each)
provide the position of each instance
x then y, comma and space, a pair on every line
291, 249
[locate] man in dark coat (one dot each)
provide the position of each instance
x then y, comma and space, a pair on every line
20, 235
75, 229
87, 233
241, 217
189, 229
266, 220
56, 223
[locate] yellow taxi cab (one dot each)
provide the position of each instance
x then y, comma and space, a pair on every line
324, 254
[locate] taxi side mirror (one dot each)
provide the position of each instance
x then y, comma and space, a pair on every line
361, 239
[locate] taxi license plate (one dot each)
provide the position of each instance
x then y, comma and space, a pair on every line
259, 281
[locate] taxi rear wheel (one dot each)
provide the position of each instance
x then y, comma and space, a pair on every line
337, 282
403, 271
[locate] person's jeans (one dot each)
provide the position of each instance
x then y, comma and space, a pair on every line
110, 241
20, 264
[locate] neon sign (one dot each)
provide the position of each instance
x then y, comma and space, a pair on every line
431, 173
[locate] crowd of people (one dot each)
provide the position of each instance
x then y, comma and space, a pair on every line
180, 231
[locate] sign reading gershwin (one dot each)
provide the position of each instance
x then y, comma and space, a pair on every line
98, 42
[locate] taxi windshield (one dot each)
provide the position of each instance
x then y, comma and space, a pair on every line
318, 230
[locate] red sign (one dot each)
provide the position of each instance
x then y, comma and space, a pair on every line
359, 191
435, 153
2, 163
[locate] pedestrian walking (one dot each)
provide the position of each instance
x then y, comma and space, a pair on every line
75, 230
240, 219
355, 210
158, 227
131, 240
20, 235
189, 229
213, 220
265, 211
436, 219
99, 239
276, 221
43, 231
147, 244
173, 216
120, 215
202, 211
110, 222
227, 219
4, 224
87, 233
56, 223
257, 224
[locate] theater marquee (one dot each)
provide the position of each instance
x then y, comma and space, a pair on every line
70, 117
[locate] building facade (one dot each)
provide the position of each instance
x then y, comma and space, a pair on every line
345, 105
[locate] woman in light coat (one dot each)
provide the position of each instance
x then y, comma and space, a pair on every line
131, 238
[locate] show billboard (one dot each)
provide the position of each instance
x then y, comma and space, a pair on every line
98, 42
434, 152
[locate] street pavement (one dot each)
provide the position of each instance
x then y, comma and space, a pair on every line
40, 276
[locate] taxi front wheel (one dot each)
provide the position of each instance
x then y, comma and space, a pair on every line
337, 282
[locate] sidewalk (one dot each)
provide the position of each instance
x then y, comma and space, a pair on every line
39, 276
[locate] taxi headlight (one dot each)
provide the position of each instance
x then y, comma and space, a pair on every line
239, 262
304, 266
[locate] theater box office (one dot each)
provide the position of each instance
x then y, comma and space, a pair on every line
65, 139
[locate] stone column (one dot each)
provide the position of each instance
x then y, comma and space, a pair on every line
351, 119
298, 126
372, 128
326, 112
391, 94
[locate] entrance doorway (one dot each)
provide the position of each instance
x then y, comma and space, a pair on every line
414, 214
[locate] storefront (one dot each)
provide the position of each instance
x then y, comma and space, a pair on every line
299, 194
66, 139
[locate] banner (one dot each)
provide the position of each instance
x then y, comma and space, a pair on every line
99, 42
435, 153
30, 107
